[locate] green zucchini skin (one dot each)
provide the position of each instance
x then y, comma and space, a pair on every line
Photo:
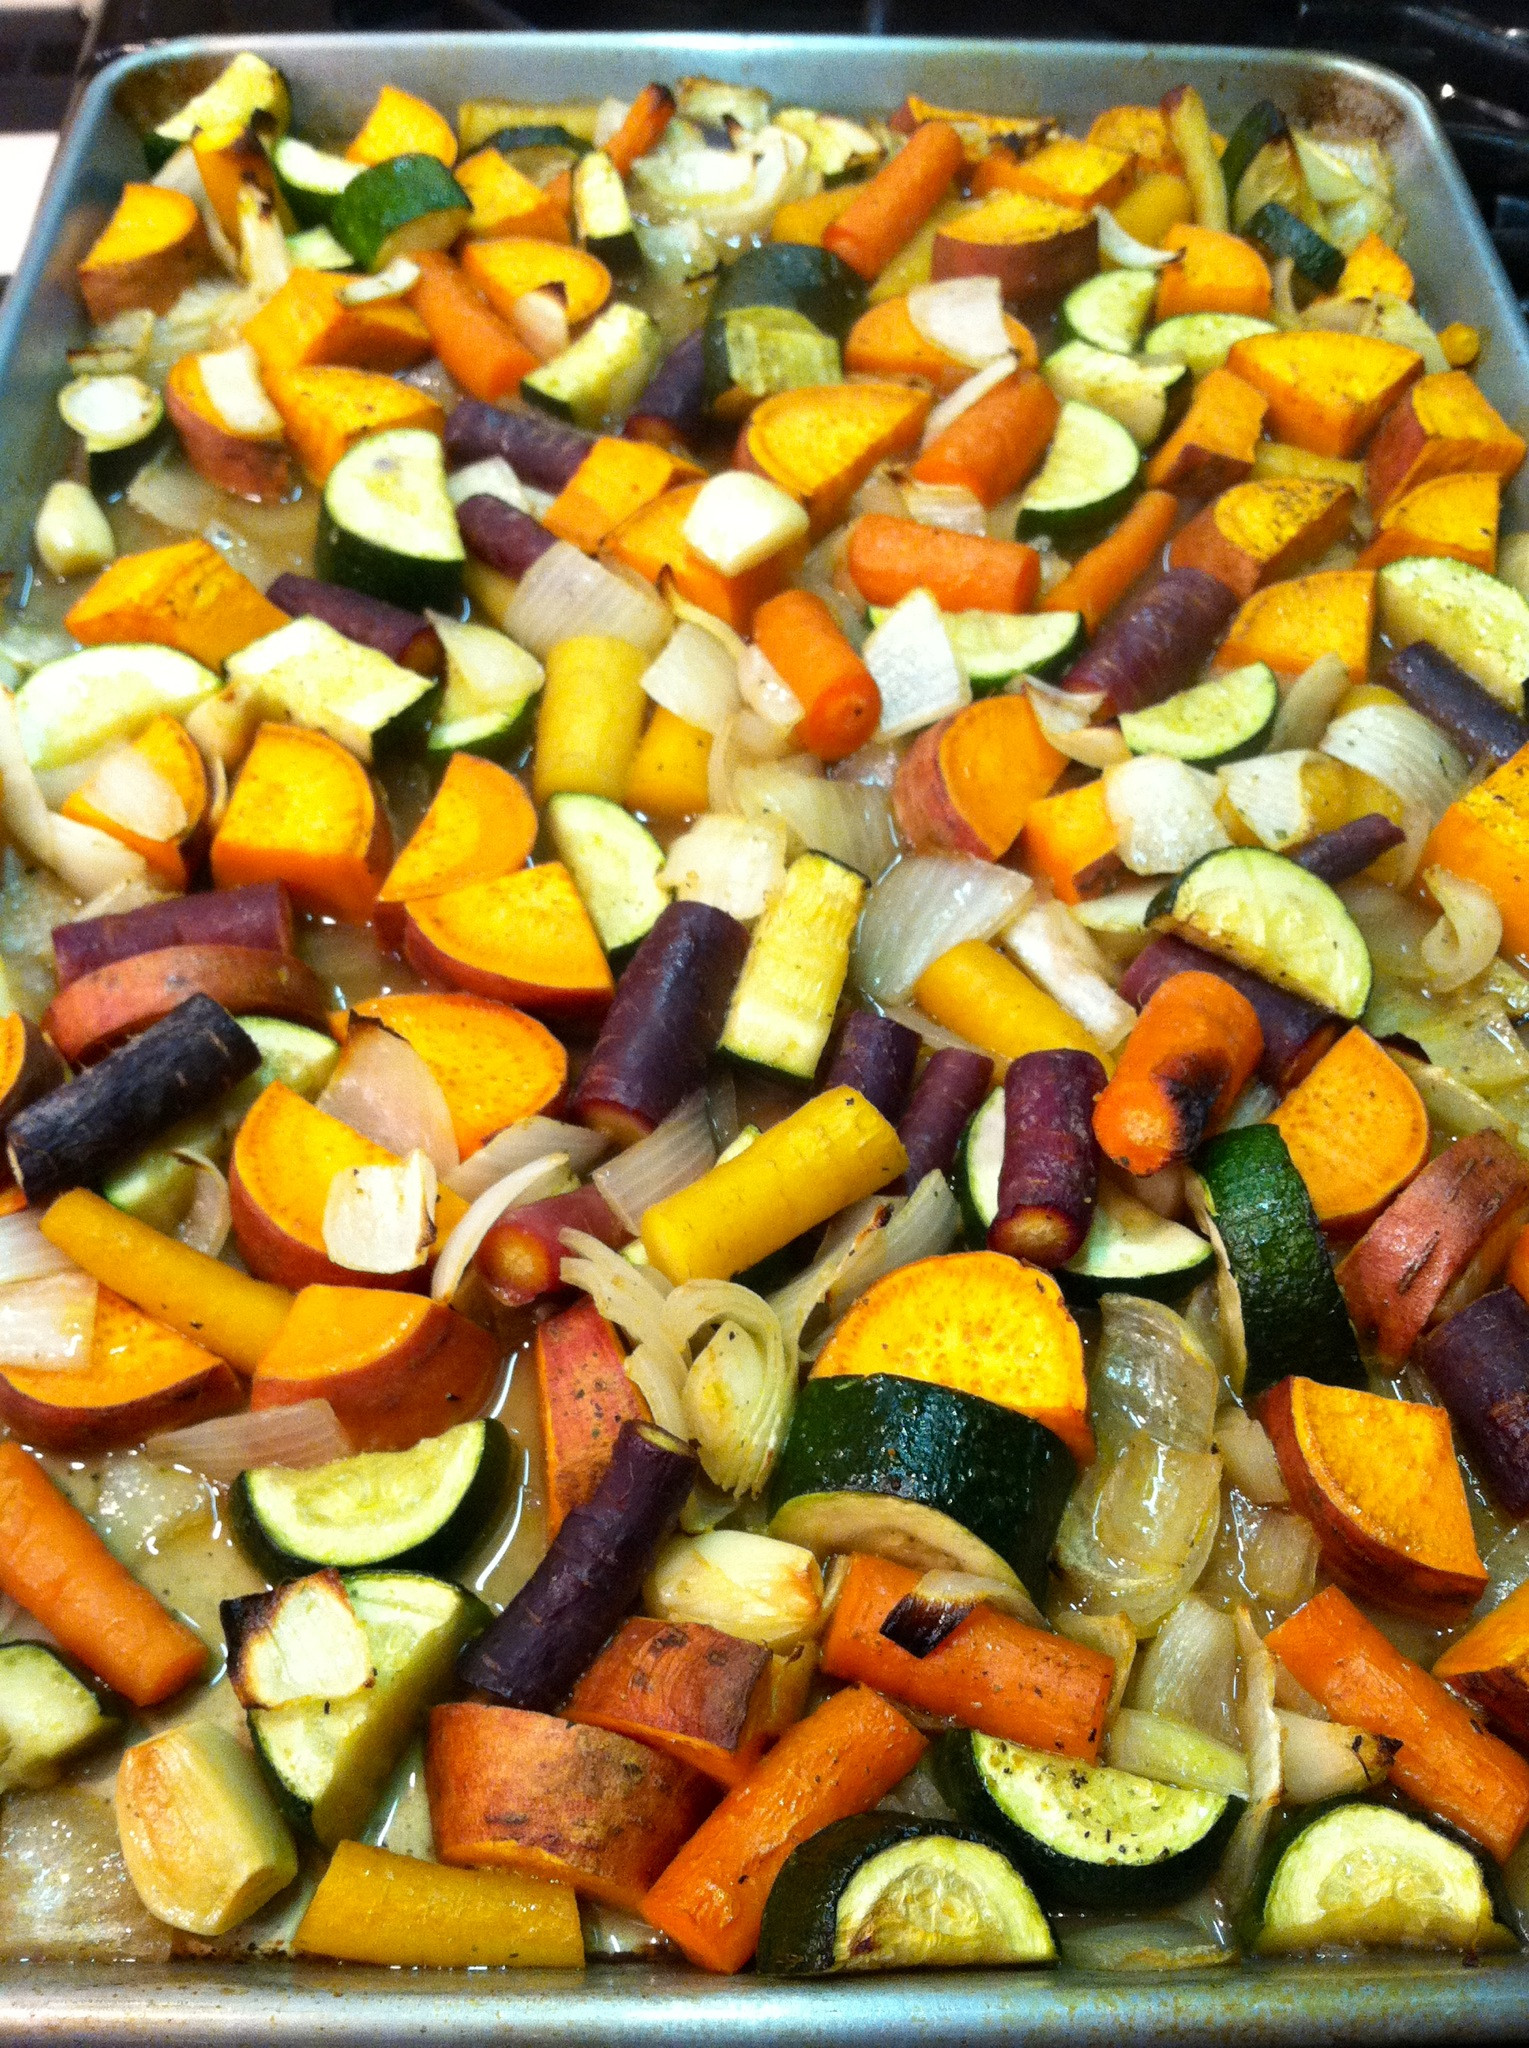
813, 282
1263, 123
1279, 232
357, 545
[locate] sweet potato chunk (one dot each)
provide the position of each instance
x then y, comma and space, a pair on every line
1490, 1665
1442, 425
153, 246
1326, 391
304, 812
1257, 532
1484, 835
307, 323
184, 596
1291, 623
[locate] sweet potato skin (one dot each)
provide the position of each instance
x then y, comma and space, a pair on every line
97, 1011
683, 1688
250, 468
115, 284
1490, 1665
585, 1397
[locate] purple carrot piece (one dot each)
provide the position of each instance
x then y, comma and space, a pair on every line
1049, 1179
402, 636
669, 1009
521, 1256
950, 1091
1347, 850
1296, 1033
541, 451
1482, 728
876, 1055
501, 535
1155, 645
259, 916
672, 408
1478, 1363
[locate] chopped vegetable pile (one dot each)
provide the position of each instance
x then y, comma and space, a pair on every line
763, 1083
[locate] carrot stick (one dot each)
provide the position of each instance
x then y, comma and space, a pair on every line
991, 1673
1446, 1762
992, 447
839, 1761
473, 343
647, 118
1185, 1063
963, 572
54, 1565
1097, 581
841, 705
895, 204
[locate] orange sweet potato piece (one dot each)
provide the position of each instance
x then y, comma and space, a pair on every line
506, 202
506, 269
304, 812
1443, 1241
652, 541
519, 1791
523, 938
615, 479
1067, 172
402, 125
394, 1367
1327, 391
249, 465
967, 783
1067, 835
1454, 514
29, 1067
1490, 1665
822, 444
1379, 1482
1356, 1130
1291, 623
980, 1323
1484, 835
885, 343
1140, 132
1257, 532
1443, 424
184, 596
328, 410
171, 752
480, 823
140, 1377
1036, 249
153, 246
494, 1064
1219, 273
1372, 267
307, 324
1212, 446
585, 1396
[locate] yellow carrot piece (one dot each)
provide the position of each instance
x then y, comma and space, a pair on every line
974, 991
223, 1310
591, 717
834, 1150
376, 1907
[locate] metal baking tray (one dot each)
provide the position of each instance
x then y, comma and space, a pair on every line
627, 2005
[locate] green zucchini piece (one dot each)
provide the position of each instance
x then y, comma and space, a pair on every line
813, 282
1111, 311
1261, 911
311, 180
1090, 471
245, 91
1279, 232
71, 708
1224, 719
1130, 389
540, 151
602, 216
320, 678
328, 1760
994, 647
401, 207
978, 1164
1084, 1834
387, 527
1360, 1875
884, 1891
1477, 620
784, 1003
1277, 1284
421, 1509
1262, 124
1202, 340
491, 689
603, 373
614, 862
121, 421
47, 1716
759, 350
317, 249
921, 1474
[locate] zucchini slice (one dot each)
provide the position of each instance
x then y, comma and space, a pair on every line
1111, 311
73, 707
491, 685
329, 1760
756, 351
540, 151
1277, 1284
601, 215
1130, 389
1090, 471
923, 1475
317, 249
1262, 124
242, 93
388, 527
993, 647
1084, 1834
1224, 719
1202, 340
47, 1716
614, 862
793, 975
321, 679
121, 421
1261, 911
311, 180
810, 281
978, 1164
418, 1509
603, 373
1476, 619
400, 207
1279, 232
1357, 1875
884, 1891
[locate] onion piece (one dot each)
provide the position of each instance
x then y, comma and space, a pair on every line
547, 1175
87, 860
924, 1226
127, 788
1402, 749
942, 1600
384, 1090
381, 1219
517, 1145
754, 1587
1248, 1457
734, 864
668, 1159
915, 667
923, 907
741, 1388
540, 318
299, 1437
399, 278
1309, 703
966, 395
490, 478
1465, 941
1322, 1760
935, 1036
206, 1224
46, 1324
1124, 251
745, 740
696, 679
1393, 927
1189, 1670
765, 691
564, 594
848, 821
949, 506
1066, 719
740, 519
874, 765
1280, 1562
964, 317
1258, 1725
25, 1254
1136, 1535
1055, 950
231, 379
1164, 813
633, 1298
797, 1303
1150, 1372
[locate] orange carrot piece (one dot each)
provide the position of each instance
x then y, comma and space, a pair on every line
585, 1396
646, 119
54, 1565
992, 447
1219, 273
894, 205
1357, 1131
841, 705
992, 1672
963, 572
839, 1761
1068, 834
473, 343
1097, 581
1192, 1050
1446, 1763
